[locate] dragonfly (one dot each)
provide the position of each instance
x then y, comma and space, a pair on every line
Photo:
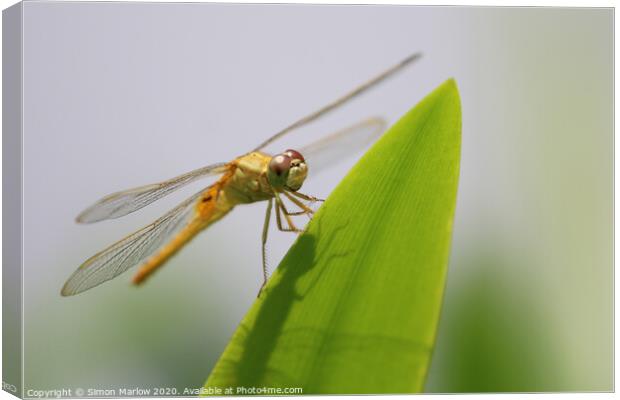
252, 177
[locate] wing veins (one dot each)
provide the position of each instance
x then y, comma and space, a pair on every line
131, 250
125, 202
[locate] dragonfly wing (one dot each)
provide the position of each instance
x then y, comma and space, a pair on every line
342, 100
337, 146
132, 250
122, 203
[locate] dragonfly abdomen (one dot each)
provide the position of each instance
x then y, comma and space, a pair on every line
210, 207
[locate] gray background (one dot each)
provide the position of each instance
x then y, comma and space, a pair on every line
119, 95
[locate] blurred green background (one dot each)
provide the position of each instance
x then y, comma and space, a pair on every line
120, 95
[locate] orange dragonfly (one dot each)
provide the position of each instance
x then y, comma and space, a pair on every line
254, 176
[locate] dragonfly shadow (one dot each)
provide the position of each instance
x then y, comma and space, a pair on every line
260, 342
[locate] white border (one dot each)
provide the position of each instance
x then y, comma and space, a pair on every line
545, 3
506, 3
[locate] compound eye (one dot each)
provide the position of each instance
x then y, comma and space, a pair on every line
280, 164
294, 154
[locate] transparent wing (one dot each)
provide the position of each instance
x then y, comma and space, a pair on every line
122, 203
337, 146
342, 100
132, 250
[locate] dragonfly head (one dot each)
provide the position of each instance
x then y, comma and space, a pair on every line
287, 170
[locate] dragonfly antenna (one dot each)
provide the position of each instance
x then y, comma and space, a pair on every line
340, 101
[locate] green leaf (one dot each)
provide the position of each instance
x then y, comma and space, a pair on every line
354, 305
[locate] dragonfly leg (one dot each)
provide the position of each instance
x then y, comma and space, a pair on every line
278, 218
302, 212
280, 207
305, 208
307, 197
264, 242
296, 213
279, 221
